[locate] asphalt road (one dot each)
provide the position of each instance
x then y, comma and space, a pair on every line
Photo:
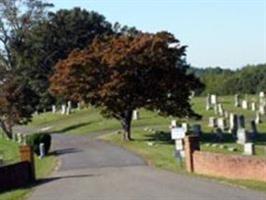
93, 169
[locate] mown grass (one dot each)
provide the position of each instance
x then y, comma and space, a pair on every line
10, 151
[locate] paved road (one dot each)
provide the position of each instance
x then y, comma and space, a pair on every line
92, 169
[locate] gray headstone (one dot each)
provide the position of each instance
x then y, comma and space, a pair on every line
42, 150
208, 102
241, 121
254, 131
258, 118
219, 133
237, 100
197, 129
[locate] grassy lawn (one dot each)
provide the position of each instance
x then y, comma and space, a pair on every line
10, 151
155, 146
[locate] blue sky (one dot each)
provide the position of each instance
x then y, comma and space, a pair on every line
226, 33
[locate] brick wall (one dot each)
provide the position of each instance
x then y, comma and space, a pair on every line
229, 166
16, 175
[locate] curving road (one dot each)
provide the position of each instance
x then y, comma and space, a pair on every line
94, 170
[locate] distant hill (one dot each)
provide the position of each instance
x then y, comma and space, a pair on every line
250, 79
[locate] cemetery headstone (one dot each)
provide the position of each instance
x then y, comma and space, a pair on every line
219, 134
212, 122
173, 123
249, 149
213, 99
53, 109
237, 100
221, 123
208, 102
233, 123
241, 121
42, 150
245, 104
197, 129
185, 126
253, 106
135, 115
63, 109
254, 131
242, 137
220, 109
258, 118
262, 109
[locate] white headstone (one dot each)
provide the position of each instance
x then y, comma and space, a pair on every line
241, 136
135, 115
220, 109
245, 104
173, 123
249, 149
208, 102
253, 106
221, 123
213, 99
212, 122
54, 109
63, 109
185, 126
262, 94
262, 109
19, 137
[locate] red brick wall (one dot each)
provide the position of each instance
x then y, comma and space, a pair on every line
229, 166
16, 175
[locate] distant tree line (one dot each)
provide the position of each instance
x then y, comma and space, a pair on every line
250, 79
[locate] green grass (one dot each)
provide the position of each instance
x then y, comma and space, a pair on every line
43, 167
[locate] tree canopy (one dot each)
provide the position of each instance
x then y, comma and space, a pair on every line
119, 74
53, 39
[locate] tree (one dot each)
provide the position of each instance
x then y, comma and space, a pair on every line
123, 73
17, 104
16, 18
53, 39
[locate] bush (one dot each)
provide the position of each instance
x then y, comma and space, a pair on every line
36, 139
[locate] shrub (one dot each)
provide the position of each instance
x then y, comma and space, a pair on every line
36, 139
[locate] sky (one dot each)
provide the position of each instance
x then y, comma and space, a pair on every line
225, 33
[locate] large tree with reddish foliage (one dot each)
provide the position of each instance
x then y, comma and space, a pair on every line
123, 73
17, 104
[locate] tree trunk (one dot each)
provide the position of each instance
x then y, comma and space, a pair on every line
7, 128
126, 124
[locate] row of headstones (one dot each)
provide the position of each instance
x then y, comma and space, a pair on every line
261, 107
178, 134
235, 123
212, 103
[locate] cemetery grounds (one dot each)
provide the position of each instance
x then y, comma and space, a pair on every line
151, 135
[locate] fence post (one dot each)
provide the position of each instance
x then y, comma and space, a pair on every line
191, 145
26, 154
